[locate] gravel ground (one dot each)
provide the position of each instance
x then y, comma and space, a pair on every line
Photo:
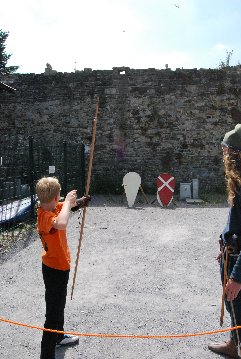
143, 270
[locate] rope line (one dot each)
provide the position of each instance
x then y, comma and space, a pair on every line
126, 336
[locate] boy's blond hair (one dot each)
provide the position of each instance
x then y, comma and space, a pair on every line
47, 188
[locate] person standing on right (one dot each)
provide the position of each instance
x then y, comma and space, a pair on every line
230, 242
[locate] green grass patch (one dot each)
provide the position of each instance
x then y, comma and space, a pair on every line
213, 198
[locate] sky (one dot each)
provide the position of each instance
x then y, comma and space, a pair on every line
101, 34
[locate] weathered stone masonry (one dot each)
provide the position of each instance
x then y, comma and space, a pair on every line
150, 120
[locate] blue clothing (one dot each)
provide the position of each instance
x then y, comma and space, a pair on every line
232, 235
233, 225
232, 230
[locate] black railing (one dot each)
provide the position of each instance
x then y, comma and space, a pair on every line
22, 162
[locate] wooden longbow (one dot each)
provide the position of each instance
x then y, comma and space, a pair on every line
92, 148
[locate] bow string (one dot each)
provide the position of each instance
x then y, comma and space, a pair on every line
92, 148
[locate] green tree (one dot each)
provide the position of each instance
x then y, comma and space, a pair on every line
4, 57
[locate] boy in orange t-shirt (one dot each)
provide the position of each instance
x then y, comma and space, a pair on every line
52, 220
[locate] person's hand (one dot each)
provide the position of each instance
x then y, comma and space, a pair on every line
71, 197
83, 201
232, 289
218, 258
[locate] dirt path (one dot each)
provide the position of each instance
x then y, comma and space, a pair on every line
145, 270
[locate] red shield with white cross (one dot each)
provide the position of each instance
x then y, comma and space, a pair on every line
165, 189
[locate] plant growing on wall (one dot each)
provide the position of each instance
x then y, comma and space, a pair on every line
4, 57
226, 63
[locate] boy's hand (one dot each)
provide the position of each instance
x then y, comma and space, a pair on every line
71, 198
81, 202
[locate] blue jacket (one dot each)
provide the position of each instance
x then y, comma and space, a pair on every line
233, 226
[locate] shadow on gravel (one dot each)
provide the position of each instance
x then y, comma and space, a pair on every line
60, 353
12, 242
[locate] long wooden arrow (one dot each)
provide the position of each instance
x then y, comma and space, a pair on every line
92, 148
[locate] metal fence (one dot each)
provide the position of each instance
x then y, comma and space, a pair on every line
22, 162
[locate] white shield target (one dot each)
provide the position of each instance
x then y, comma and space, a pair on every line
131, 183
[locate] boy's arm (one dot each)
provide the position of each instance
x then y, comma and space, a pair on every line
62, 219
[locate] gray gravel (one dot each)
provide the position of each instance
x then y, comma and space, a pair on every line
143, 270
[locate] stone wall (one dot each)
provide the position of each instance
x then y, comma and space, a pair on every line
150, 121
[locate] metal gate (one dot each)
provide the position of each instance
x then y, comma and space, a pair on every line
22, 162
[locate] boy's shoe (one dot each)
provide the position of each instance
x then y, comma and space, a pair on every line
68, 340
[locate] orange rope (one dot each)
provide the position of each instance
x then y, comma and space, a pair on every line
128, 336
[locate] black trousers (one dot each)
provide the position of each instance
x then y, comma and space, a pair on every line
56, 282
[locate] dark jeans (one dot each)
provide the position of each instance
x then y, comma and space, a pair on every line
55, 297
236, 310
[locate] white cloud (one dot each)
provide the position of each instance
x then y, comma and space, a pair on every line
220, 46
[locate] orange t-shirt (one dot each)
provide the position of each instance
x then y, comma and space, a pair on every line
55, 247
